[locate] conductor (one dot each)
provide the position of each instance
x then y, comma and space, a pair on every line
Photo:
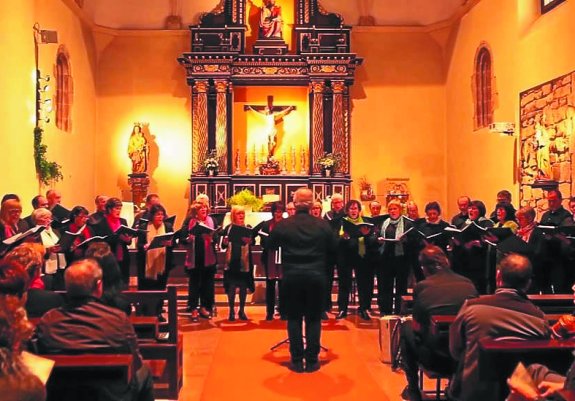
307, 243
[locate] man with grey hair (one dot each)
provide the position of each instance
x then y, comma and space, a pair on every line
307, 246
506, 314
87, 325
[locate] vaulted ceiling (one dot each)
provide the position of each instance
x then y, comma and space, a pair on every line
151, 14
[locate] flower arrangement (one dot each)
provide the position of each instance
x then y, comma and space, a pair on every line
329, 161
46, 171
211, 161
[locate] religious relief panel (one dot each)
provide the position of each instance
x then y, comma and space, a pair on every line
547, 119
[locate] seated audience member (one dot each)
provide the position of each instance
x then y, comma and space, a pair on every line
112, 284
100, 213
503, 198
54, 261
87, 325
506, 314
39, 300
460, 218
550, 385
17, 382
441, 293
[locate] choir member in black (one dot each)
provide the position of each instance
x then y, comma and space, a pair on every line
59, 212
413, 213
374, 208
534, 240
395, 266
272, 269
100, 213
555, 257
151, 200
118, 243
154, 264
430, 225
503, 197
200, 261
460, 218
37, 202
10, 213
354, 251
238, 273
308, 245
333, 217
316, 209
373, 256
470, 258
78, 220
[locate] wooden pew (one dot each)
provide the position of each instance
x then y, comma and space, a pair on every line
165, 357
548, 303
497, 359
80, 377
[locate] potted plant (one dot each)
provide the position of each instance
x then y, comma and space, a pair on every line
328, 163
366, 192
247, 199
211, 163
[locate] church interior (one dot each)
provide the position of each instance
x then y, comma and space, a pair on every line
412, 113
428, 99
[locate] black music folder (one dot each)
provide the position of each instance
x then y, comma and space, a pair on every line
237, 233
354, 229
201, 228
159, 241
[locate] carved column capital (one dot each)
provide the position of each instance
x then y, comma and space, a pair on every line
338, 86
221, 85
317, 86
201, 86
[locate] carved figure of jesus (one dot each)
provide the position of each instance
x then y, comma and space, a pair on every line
273, 116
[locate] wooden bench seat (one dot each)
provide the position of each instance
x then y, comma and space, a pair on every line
83, 376
498, 358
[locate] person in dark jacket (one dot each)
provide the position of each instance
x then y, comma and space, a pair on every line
307, 245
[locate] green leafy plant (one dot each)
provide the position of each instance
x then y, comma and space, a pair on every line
46, 171
246, 198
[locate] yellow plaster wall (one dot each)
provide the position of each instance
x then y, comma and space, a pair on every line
139, 80
73, 150
398, 113
528, 49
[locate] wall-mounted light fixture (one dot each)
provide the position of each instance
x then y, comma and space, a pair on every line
43, 99
503, 128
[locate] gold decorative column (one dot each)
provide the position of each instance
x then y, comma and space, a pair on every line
339, 140
199, 124
222, 124
317, 88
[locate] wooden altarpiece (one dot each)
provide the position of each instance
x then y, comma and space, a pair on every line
219, 61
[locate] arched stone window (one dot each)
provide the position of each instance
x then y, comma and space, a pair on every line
483, 88
64, 90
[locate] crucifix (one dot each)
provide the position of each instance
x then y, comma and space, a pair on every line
273, 116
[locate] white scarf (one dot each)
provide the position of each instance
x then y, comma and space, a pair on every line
155, 258
54, 261
398, 233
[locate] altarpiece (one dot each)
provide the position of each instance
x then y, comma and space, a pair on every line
224, 72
